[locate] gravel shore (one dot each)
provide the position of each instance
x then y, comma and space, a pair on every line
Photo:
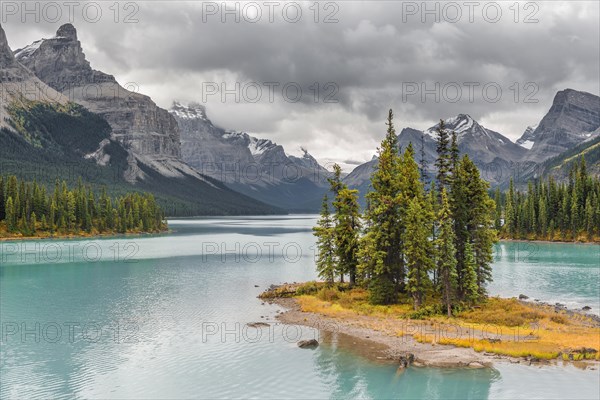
385, 344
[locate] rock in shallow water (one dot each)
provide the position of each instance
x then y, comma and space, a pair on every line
476, 365
306, 344
257, 324
406, 360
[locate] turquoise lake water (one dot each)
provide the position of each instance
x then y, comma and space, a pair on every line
165, 317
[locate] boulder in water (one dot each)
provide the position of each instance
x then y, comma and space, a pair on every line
307, 344
257, 324
406, 360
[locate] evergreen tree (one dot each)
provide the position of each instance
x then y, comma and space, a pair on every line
423, 162
418, 250
473, 212
509, 213
10, 215
2, 200
498, 217
471, 288
381, 250
446, 254
324, 231
347, 228
443, 162
454, 154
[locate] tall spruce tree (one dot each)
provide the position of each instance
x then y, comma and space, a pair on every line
498, 215
470, 286
347, 232
381, 254
446, 251
324, 231
473, 212
443, 161
345, 227
423, 162
2, 200
418, 249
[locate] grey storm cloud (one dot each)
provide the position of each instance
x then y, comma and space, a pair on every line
379, 55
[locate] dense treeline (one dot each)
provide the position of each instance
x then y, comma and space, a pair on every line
27, 209
430, 246
49, 141
554, 211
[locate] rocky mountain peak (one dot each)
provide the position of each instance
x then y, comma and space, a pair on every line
149, 133
60, 61
462, 124
527, 139
6, 55
67, 31
191, 111
574, 117
305, 153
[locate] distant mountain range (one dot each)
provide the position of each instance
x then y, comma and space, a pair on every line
573, 121
492, 152
142, 141
195, 167
256, 167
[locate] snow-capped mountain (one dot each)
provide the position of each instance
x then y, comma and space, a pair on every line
257, 167
573, 118
527, 139
462, 124
137, 141
493, 153
483, 145
148, 132
14, 78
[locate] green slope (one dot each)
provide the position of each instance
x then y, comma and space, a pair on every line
560, 166
49, 141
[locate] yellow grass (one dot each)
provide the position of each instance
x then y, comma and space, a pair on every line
500, 326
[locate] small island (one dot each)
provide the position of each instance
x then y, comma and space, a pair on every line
497, 330
28, 211
412, 270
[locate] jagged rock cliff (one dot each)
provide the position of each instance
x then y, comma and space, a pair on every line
527, 139
573, 119
132, 145
256, 167
16, 82
149, 132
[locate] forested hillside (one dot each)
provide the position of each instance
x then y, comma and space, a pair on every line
28, 209
548, 210
49, 141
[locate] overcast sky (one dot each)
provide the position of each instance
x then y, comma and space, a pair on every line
369, 57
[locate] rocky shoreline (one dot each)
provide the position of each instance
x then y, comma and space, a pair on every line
559, 307
73, 236
403, 349
385, 345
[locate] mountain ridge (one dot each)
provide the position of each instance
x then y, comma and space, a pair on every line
44, 125
492, 152
574, 117
256, 167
